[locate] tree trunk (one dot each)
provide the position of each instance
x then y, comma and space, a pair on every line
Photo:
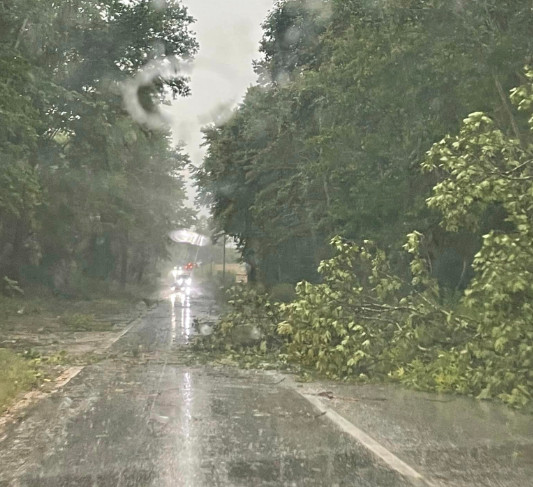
142, 267
507, 107
124, 260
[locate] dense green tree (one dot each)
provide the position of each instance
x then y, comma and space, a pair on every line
254, 170
332, 145
82, 186
291, 40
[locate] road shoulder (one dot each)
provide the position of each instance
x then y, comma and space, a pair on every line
438, 440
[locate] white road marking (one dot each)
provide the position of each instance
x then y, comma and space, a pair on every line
369, 443
136, 321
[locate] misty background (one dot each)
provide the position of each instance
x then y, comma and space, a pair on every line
228, 33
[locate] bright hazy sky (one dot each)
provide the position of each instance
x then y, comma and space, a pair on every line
229, 32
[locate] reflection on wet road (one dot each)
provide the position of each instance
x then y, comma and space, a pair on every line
139, 419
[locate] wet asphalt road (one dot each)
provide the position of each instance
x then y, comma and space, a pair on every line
138, 418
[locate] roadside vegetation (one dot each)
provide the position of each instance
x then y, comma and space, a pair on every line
382, 169
41, 335
88, 193
17, 375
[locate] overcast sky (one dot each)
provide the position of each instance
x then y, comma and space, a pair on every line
229, 32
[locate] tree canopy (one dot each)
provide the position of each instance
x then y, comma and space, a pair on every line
85, 189
350, 97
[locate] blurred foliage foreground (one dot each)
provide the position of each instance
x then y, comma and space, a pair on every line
364, 321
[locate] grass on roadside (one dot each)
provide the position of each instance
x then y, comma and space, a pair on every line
42, 314
34, 351
84, 322
18, 374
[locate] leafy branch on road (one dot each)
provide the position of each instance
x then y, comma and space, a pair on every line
364, 321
